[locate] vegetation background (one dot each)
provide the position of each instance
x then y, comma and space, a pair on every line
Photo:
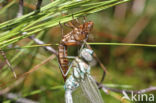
128, 67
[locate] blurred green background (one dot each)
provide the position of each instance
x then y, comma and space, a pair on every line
128, 67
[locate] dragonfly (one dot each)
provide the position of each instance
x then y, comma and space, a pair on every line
77, 36
80, 87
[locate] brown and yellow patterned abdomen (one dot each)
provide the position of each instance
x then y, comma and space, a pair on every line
62, 57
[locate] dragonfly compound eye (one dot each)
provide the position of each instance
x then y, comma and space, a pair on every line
86, 54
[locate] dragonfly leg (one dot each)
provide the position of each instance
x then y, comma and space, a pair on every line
82, 46
70, 66
65, 54
70, 26
62, 32
65, 74
77, 21
84, 19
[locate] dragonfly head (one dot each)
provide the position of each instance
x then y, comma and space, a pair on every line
86, 54
87, 27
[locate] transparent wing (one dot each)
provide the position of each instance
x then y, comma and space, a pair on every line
88, 92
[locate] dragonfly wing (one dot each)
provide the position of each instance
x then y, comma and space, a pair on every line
88, 92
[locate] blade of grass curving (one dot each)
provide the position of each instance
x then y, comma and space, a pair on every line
124, 44
11, 33
98, 44
96, 3
76, 14
22, 18
53, 4
110, 44
54, 22
61, 8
